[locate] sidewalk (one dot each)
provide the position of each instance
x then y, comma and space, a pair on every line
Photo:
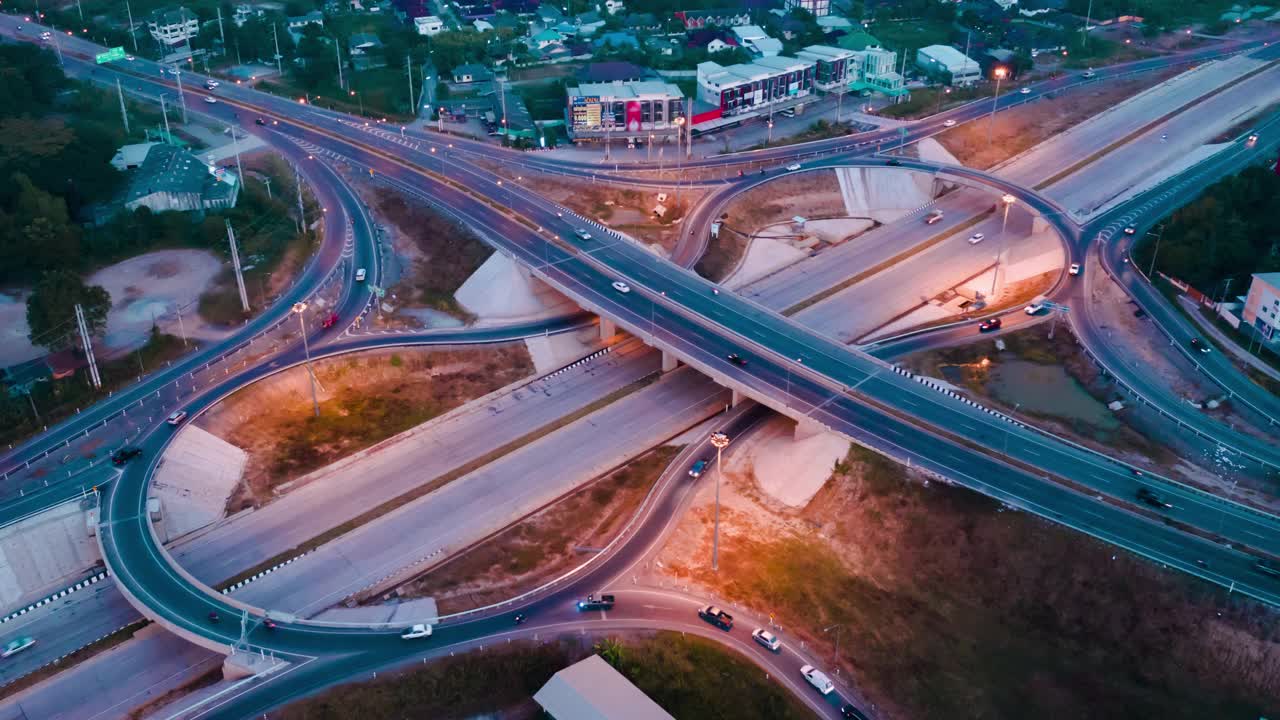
1229, 343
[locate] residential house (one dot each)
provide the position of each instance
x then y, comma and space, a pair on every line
471, 73
642, 22
315, 17
589, 22
698, 19
756, 41
613, 7
817, 7
858, 40
618, 40
829, 23
717, 45
130, 157
170, 178
365, 50
173, 26
665, 46
482, 25
242, 12
542, 39
566, 28
428, 25
548, 16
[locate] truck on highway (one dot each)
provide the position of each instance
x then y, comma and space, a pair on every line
717, 617
592, 602
934, 216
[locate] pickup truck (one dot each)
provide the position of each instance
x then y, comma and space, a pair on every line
604, 602
717, 617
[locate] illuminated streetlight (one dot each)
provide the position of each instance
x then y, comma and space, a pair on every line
1008, 201
1000, 73
720, 441
298, 309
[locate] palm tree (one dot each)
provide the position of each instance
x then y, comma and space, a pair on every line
611, 650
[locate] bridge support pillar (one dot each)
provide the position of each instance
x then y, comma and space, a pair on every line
669, 362
1039, 225
737, 398
805, 430
607, 328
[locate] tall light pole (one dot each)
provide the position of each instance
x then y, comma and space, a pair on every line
835, 656
1008, 201
298, 309
1000, 72
1158, 234
720, 441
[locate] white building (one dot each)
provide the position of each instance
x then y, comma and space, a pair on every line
613, 6
717, 45
750, 87
939, 59
428, 25
1262, 304
624, 110
173, 26
817, 7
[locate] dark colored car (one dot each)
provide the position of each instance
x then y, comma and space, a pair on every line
894, 162
717, 617
1197, 344
259, 121
849, 711
990, 325
1149, 496
736, 359
124, 455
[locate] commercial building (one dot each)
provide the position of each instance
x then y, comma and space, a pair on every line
946, 60
817, 7
632, 110
428, 25
1262, 304
170, 178
750, 87
833, 67
866, 71
592, 690
173, 26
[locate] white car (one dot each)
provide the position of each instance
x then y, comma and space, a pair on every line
1034, 308
793, 167
767, 639
360, 275
1131, 230
130, 58
17, 645
211, 84
177, 417
415, 632
817, 679
1025, 91
210, 99
621, 287
976, 238
949, 123
582, 234
1074, 269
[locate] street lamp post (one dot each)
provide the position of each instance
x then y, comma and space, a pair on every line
298, 309
945, 91
1000, 73
835, 656
1008, 201
720, 441
360, 98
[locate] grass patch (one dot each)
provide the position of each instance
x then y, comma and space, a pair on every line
820, 130
930, 100
690, 677
347, 424
438, 482
880, 267
75, 658
546, 543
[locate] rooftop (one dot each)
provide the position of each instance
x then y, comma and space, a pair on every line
623, 90
592, 690
173, 170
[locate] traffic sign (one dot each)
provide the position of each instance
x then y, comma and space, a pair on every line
115, 53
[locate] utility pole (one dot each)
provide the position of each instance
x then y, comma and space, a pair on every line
132, 35
235, 145
1225, 291
1008, 200
408, 70
182, 99
1084, 31
267, 181
302, 213
88, 347
235, 263
56, 46
164, 110
123, 115
221, 33
276, 39
338, 52
1159, 233
299, 309
80, 10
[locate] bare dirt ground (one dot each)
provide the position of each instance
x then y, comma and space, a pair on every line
150, 288
1147, 348
545, 544
365, 398
1134, 434
437, 255
947, 606
812, 195
1020, 128
627, 211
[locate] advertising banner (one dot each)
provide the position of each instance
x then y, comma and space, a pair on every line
633, 115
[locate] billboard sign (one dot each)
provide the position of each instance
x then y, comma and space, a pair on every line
633, 115
115, 53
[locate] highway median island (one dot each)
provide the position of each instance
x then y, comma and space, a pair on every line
437, 482
939, 602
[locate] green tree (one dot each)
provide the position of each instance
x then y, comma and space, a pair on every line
51, 309
611, 650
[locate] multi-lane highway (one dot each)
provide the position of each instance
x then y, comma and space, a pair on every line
787, 366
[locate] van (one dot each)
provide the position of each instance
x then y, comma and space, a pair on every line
360, 275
